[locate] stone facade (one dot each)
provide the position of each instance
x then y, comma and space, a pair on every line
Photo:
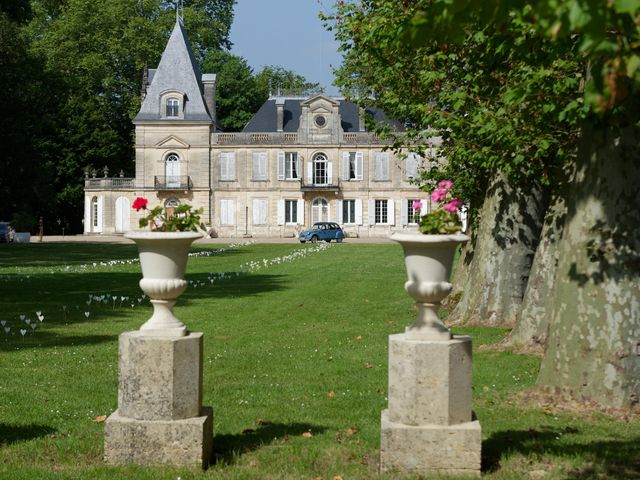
298, 161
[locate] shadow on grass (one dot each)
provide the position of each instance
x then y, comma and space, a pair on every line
227, 448
44, 339
615, 459
18, 433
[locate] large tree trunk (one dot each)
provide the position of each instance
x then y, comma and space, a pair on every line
529, 333
500, 255
593, 347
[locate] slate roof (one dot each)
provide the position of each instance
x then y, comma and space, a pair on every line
265, 120
178, 70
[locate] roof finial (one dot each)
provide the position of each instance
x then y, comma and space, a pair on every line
180, 11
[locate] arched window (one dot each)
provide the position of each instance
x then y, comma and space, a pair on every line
172, 202
172, 170
320, 169
94, 213
173, 107
319, 210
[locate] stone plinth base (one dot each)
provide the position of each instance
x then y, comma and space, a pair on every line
429, 380
430, 449
156, 442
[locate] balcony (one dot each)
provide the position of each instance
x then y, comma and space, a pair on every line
109, 183
162, 182
328, 186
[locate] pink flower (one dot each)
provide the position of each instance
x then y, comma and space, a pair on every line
140, 203
445, 184
438, 194
453, 205
416, 205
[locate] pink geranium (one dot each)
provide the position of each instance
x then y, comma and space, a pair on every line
416, 205
453, 205
438, 195
445, 184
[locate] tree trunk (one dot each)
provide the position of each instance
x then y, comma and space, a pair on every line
593, 347
500, 255
529, 333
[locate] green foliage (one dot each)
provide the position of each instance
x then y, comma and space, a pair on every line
272, 78
173, 219
439, 221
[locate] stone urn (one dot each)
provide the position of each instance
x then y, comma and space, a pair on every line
163, 258
428, 259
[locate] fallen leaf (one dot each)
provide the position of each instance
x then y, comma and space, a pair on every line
337, 477
369, 365
351, 431
100, 418
331, 394
359, 337
307, 434
264, 423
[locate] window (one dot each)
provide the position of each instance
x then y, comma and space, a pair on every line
352, 165
348, 211
227, 212
319, 210
320, 170
381, 213
320, 121
291, 211
94, 212
259, 211
291, 165
411, 212
288, 166
381, 166
412, 163
260, 166
173, 107
172, 170
227, 166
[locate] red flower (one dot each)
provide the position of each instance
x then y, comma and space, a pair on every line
140, 203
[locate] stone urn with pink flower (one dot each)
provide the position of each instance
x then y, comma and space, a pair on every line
429, 259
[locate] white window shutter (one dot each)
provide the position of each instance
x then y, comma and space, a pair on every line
425, 206
372, 212
411, 165
224, 212
280, 212
385, 166
377, 167
232, 166
100, 213
309, 173
300, 219
264, 166
281, 167
339, 212
330, 173
224, 166
404, 214
345, 165
255, 172
391, 212
358, 211
87, 214
359, 156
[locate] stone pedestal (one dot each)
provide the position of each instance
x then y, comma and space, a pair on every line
429, 426
160, 418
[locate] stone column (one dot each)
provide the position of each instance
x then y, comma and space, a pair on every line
429, 427
160, 418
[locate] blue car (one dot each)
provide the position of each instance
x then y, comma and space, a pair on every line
326, 231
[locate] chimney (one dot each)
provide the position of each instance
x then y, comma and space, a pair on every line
361, 119
280, 113
209, 83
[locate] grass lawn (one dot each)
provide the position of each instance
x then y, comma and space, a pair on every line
295, 366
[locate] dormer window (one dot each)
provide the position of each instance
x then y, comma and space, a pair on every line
173, 107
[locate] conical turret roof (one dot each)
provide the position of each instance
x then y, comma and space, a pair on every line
178, 71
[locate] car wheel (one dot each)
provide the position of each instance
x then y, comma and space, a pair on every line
328, 240
339, 240
314, 239
302, 241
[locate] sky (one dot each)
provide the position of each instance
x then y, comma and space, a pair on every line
289, 34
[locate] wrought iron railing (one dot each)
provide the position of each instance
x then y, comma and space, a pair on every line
163, 182
329, 184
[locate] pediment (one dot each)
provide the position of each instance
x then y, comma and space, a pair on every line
172, 142
320, 99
